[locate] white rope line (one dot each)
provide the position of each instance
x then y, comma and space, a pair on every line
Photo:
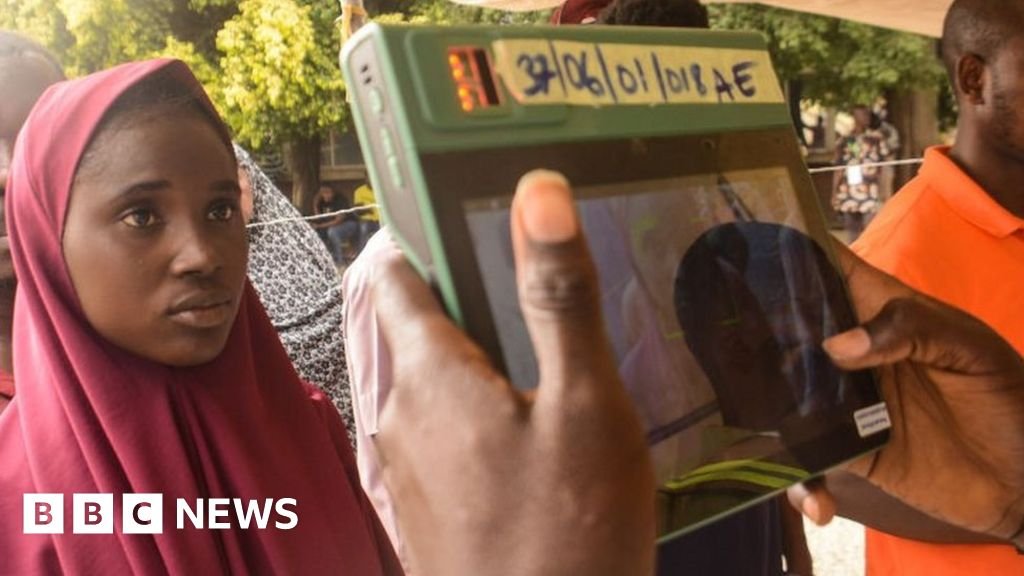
868, 165
325, 216
369, 207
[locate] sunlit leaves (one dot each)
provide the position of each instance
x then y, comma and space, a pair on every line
277, 80
839, 62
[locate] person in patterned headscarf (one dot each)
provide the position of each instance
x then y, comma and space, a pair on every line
857, 193
297, 283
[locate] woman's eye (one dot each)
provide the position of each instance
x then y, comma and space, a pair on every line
222, 212
140, 218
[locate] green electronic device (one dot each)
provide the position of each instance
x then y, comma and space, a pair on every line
718, 282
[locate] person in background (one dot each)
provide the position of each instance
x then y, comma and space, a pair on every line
892, 140
956, 232
669, 13
817, 133
857, 190
339, 232
369, 216
26, 69
296, 280
578, 11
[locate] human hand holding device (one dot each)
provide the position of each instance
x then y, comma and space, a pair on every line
489, 479
955, 392
717, 172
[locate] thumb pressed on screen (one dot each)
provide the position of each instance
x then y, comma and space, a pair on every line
558, 285
491, 480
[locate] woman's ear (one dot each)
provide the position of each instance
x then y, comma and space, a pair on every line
245, 199
971, 76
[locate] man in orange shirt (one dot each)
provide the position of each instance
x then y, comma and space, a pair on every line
956, 232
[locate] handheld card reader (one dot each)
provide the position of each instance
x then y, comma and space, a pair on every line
718, 284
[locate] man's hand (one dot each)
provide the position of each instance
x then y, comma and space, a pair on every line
490, 480
955, 392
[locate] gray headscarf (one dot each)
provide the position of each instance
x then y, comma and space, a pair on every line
293, 273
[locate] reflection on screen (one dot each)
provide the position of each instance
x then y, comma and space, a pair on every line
715, 301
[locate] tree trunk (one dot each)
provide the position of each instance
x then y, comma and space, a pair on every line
302, 155
376, 7
915, 114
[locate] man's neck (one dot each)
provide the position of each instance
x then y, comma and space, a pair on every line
999, 175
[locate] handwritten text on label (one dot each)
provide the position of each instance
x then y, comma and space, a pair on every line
565, 72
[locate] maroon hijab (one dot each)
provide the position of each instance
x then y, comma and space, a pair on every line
579, 11
89, 417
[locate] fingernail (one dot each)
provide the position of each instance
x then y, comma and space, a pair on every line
848, 345
546, 207
809, 506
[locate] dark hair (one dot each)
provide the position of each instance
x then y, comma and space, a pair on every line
979, 27
728, 286
15, 46
876, 121
678, 13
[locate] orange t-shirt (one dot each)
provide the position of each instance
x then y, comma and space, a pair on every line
944, 236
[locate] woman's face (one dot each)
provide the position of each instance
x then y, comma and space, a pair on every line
154, 239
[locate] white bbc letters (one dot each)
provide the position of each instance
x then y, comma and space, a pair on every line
93, 513
43, 513
142, 513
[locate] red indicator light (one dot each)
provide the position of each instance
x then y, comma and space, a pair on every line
470, 70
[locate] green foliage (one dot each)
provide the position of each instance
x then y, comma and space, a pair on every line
39, 19
446, 12
277, 82
269, 65
205, 70
200, 5
113, 31
90, 35
839, 62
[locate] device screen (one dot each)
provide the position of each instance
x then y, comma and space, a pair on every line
716, 298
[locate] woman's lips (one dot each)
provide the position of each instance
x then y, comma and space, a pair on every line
203, 315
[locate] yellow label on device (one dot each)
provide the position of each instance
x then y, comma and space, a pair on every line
589, 74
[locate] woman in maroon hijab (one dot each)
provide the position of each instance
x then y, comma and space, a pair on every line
145, 363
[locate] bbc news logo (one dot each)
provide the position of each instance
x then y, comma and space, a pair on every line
144, 513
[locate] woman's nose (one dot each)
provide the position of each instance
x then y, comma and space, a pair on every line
196, 252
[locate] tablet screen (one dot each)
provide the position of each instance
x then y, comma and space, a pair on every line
715, 302
716, 297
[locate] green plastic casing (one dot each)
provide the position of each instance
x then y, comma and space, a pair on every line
400, 85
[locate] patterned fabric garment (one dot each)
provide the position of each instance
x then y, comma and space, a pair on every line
299, 286
859, 188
